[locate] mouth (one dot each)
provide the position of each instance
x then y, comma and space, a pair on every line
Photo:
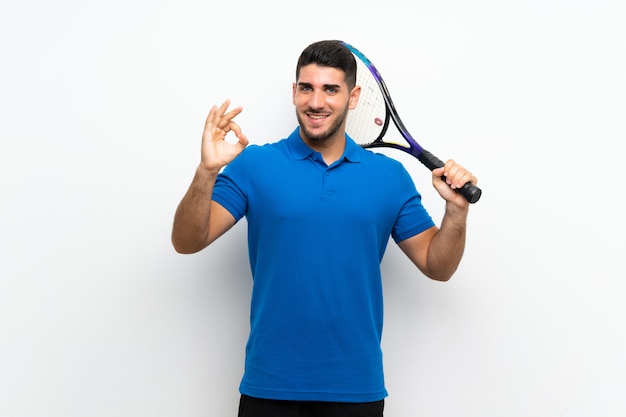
317, 118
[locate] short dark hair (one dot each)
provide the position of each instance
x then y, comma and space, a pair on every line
330, 53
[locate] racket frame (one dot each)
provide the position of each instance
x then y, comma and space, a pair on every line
470, 191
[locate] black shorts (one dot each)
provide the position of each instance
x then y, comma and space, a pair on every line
259, 407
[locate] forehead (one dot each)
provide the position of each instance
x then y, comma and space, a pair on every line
317, 75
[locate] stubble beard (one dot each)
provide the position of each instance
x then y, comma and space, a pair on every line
323, 136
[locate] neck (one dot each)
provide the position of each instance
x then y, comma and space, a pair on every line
331, 148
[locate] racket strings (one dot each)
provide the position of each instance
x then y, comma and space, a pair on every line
367, 122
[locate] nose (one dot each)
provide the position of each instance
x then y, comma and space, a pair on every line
317, 99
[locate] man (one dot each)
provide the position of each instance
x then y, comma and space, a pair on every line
320, 212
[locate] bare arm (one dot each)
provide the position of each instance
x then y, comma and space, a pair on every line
199, 220
437, 252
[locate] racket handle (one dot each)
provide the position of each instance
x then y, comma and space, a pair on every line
470, 191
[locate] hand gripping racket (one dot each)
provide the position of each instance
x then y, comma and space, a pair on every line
367, 124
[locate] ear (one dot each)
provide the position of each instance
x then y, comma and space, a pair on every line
293, 92
354, 97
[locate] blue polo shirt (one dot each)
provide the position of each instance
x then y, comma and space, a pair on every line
316, 237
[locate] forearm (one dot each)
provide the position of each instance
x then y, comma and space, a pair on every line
190, 231
447, 245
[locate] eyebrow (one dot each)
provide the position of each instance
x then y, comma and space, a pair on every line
325, 86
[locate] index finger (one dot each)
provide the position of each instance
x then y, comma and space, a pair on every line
234, 127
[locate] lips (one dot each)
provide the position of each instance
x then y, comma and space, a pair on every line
317, 119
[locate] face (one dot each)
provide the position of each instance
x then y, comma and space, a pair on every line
322, 101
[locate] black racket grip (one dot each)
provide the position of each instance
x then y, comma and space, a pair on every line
470, 191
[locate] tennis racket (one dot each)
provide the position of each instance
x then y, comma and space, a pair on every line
367, 124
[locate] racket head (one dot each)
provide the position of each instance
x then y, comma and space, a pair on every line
368, 122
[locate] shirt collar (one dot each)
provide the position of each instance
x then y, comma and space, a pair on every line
301, 150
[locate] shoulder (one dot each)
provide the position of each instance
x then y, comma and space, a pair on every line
379, 161
258, 153
370, 156
386, 172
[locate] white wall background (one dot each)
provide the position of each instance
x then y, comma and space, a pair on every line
102, 106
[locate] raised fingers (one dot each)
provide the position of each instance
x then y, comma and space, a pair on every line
210, 119
221, 119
